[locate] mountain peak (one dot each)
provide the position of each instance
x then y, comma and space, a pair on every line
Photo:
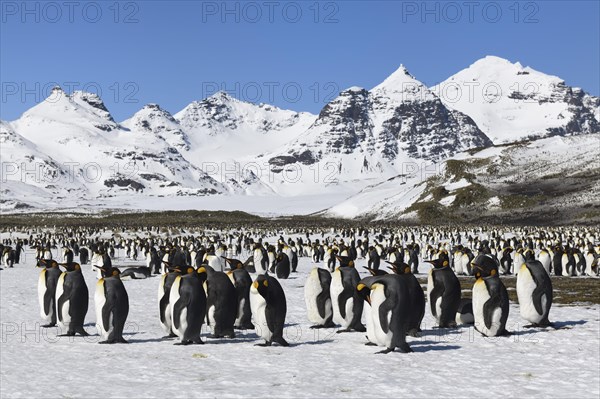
402, 86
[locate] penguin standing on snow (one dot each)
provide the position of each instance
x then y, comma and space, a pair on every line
347, 304
112, 306
47, 290
388, 297
221, 303
443, 292
490, 298
534, 291
269, 308
164, 306
282, 266
71, 300
318, 298
464, 314
416, 298
242, 282
188, 305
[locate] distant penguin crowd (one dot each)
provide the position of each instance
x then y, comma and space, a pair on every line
230, 279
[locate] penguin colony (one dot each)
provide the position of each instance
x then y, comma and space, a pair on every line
202, 279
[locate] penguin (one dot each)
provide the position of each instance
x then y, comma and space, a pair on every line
490, 298
260, 259
112, 306
443, 292
47, 290
416, 297
534, 291
71, 300
242, 282
464, 314
188, 305
269, 308
388, 298
347, 305
282, 266
221, 303
136, 273
164, 306
84, 256
318, 298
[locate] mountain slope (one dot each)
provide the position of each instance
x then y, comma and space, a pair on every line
510, 102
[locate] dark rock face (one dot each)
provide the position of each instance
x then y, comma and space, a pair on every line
123, 182
424, 129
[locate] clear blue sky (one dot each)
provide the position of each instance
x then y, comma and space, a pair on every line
172, 53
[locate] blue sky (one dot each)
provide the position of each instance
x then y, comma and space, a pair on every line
296, 55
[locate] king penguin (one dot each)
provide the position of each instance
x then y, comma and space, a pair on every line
188, 305
242, 282
388, 297
443, 292
47, 290
221, 303
416, 297
318, 298
534, 291
269, 308
490, 298
347, 304
112, 306
71, 300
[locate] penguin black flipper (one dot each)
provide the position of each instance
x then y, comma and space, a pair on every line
107, 310
63, 298
384, 309
488, 310
436, 293
496, 301
178, 306
540, 289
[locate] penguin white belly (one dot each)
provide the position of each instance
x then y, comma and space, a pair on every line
240, 312
99, 302
525, 287
335, 290
259, 307
438, 308
429, 289
182, 317
41, 292
589, 261
368, 313
564, 262
64, 309
546, 261
312, 288
166, 325
211, 317
258, 264
458, 269
349, 313
480, 297
377, 298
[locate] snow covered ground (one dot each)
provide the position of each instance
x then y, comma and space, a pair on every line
319, 363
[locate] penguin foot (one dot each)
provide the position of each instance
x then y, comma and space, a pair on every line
282, 342
169, 336
330, 325
345, 330
268, 343
49, 325
370, 344
183, 342
359, 327
385, 351
199, 342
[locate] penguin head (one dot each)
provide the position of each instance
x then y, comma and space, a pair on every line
202, 273
48, 264
439, 263
261, 284
364, 292
345, 261
71, 267
484, 266
399, 268
109, 271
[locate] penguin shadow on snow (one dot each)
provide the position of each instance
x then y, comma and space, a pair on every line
437, 346
557, 325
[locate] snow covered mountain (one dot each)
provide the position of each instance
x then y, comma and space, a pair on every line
510, 102
374, 132
547, 181
375, 148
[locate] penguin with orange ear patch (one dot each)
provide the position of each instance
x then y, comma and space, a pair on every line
443, 292
490, 298
112, 306
416, 297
